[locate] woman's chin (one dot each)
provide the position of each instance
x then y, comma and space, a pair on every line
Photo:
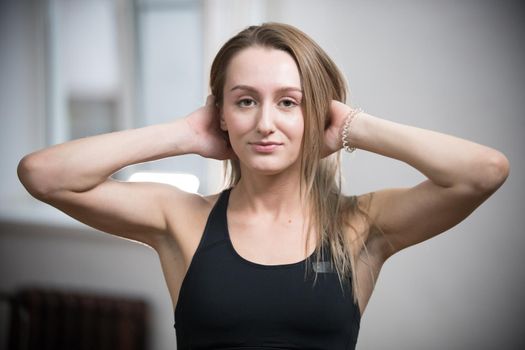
270, 169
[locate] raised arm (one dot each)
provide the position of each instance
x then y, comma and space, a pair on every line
75, 176
461, 175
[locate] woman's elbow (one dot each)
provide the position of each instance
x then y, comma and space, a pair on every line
494, 172
30, 171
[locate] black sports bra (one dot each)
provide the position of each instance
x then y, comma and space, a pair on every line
228, 302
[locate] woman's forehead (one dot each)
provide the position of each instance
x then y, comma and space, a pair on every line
263, 68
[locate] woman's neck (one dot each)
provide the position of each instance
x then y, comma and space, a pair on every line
276, 195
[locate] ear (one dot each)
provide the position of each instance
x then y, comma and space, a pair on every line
224, 126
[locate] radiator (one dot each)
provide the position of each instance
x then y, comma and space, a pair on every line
50, 319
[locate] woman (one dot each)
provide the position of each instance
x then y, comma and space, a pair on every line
280, 259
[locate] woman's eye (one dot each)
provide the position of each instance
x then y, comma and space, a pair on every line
246, 102
288, 103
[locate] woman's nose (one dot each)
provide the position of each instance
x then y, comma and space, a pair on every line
265, 122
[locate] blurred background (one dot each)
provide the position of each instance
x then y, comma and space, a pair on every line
74, 68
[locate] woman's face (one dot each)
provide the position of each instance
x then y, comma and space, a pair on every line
262, 111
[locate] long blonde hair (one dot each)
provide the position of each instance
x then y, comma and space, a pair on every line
321, 83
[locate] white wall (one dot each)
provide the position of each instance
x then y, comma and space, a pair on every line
40, 246
451, 66
21, 91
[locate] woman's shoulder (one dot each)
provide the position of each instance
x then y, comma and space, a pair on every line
191, 207
355, 204
191, 200
211, 199
187, 214
357, 218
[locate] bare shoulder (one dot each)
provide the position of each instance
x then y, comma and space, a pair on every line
186, 215
355, 221
378, 245
360, 225
188, 211
366, 243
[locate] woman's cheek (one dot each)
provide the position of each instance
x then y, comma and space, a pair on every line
294, 123
243, 122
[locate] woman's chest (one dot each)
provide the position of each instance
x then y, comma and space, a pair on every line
270, 243
231, 294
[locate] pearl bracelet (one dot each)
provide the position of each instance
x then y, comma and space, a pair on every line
346, 129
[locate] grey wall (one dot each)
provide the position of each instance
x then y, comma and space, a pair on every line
454, 67
450, 66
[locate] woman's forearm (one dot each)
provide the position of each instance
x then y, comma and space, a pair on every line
444, 159
82, 164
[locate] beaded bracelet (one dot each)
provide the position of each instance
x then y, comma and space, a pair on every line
346, 129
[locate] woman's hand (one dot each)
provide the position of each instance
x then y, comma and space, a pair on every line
332, 134
209, 140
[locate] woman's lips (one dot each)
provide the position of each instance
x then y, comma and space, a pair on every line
265, 147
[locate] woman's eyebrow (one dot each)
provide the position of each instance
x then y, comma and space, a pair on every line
254, 90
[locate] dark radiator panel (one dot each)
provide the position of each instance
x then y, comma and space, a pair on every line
50, 319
